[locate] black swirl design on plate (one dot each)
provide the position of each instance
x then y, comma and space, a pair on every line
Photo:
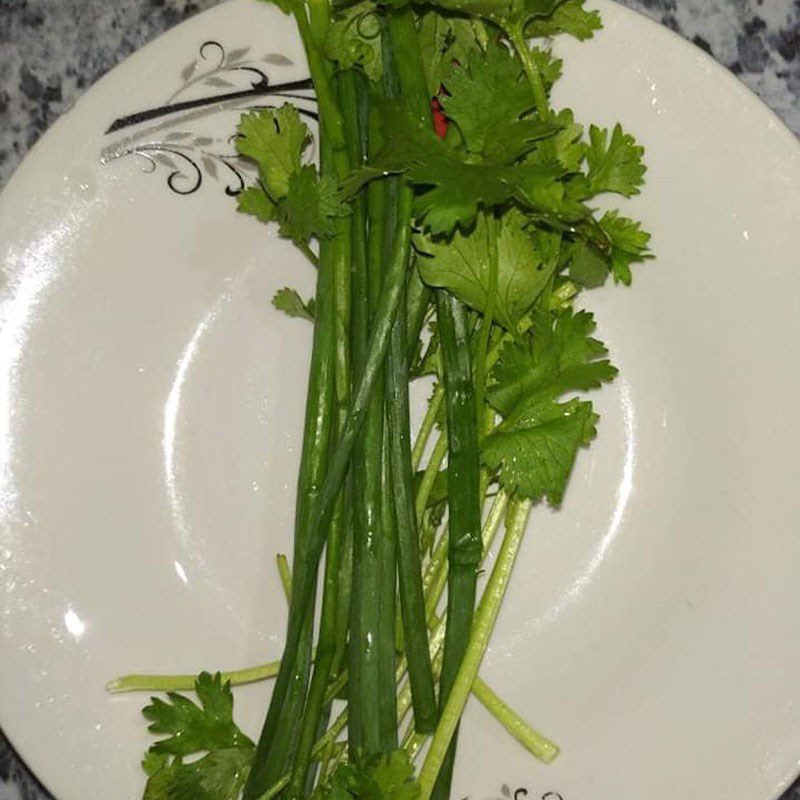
160, 137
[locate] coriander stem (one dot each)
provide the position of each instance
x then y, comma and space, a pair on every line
418, 301
492, 230
306, 250
185, 683
485, 619
429, 476
531, 740
285, 573
520, 44
428, 424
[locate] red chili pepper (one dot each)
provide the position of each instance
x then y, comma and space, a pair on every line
439, 118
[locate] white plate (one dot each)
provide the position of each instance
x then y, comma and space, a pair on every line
151, 411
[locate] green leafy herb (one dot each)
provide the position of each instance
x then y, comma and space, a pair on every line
384, 777
353, 39
534, 448
449, 223
615, 164
290, 302
257, 203
311, 206
191, 728
445, 41
569, 17
628, 244
487, 98
565, 148
588, 266
461, 265
535, 456
275, 139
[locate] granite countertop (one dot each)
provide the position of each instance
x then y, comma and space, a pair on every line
47, 60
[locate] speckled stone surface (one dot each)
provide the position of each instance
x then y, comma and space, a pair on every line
53, 50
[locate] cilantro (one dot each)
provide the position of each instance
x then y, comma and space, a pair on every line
193, 728
615, 165
310, 206
625, 244
487, 98
452, 189
550, 67
290, 302
536, 456
445, 41
588, 266
460, 189
450, 96
275, 139
207, 728
534, 448
437, 495
289, 192
385, 777
394, 776
461, 266
563, 357
353, 39
220, 775
256, 202
569, 17
628, 244
565, 148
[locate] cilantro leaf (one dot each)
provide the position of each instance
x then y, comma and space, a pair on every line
628, 244
220, 775
550, 68
275, 139
394, 775
565, 148
290, 302
563, 357
461, 265
588, 266
353, 39
194, 728
445, 41
257, 203
615, 165
569, 17
623, 243
534, 449
385, 777
487, 98
451, 189
460, 189
536, 459
310, 206
207, 728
